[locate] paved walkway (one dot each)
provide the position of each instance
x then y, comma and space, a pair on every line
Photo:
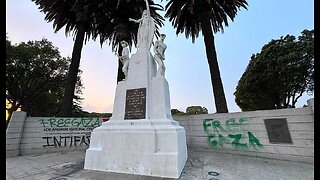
200, 166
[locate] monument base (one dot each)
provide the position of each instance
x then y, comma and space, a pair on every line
144, 147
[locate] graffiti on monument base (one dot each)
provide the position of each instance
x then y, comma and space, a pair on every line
67, 132
232, 133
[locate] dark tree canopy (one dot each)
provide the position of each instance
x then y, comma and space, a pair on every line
279, 75
35, 76
176, 112
196, 110
187, 15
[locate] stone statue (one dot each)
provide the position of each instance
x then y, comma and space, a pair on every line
159, 49
146, 29
124, 58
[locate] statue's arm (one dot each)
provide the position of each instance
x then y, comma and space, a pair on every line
136, 21
147, 5
155, 47
120, 58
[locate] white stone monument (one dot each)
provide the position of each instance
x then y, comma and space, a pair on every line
141, 137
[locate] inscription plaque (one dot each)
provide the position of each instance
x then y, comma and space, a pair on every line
278, 131
135, 104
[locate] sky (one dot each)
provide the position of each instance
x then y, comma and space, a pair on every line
187, 71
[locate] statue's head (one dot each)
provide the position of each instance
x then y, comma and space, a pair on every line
162, 36
124, 43
145, 13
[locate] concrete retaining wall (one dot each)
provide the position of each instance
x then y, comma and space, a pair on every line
245, 133
39, 135
14, 133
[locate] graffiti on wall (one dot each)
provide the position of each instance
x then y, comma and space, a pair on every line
66, 132
231, 133
63, 141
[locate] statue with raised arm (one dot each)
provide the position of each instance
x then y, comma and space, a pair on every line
159, 49
124, 58
146, 29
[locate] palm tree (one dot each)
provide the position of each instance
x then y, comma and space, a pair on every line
76, 17
193, 16
82, 19
115, 26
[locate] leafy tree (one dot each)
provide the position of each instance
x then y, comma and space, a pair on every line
78, 18
35, 74
278, 75
192, 16
176, 112
196, 110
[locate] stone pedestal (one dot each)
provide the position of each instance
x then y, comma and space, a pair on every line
141, 137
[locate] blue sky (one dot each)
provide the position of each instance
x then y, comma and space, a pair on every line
187, 70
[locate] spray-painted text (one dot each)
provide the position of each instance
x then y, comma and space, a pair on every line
232, 132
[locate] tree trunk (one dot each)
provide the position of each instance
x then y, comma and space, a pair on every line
218, 92
121, 75
67, 101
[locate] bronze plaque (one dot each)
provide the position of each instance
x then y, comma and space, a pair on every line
135, 104
278, 131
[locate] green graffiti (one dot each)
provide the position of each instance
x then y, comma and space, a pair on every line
213, 123
211, 140
222, 140
216, 125
236, 141
216, 138
242, 121
253, 140
69, 122
231, 124
206, 124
